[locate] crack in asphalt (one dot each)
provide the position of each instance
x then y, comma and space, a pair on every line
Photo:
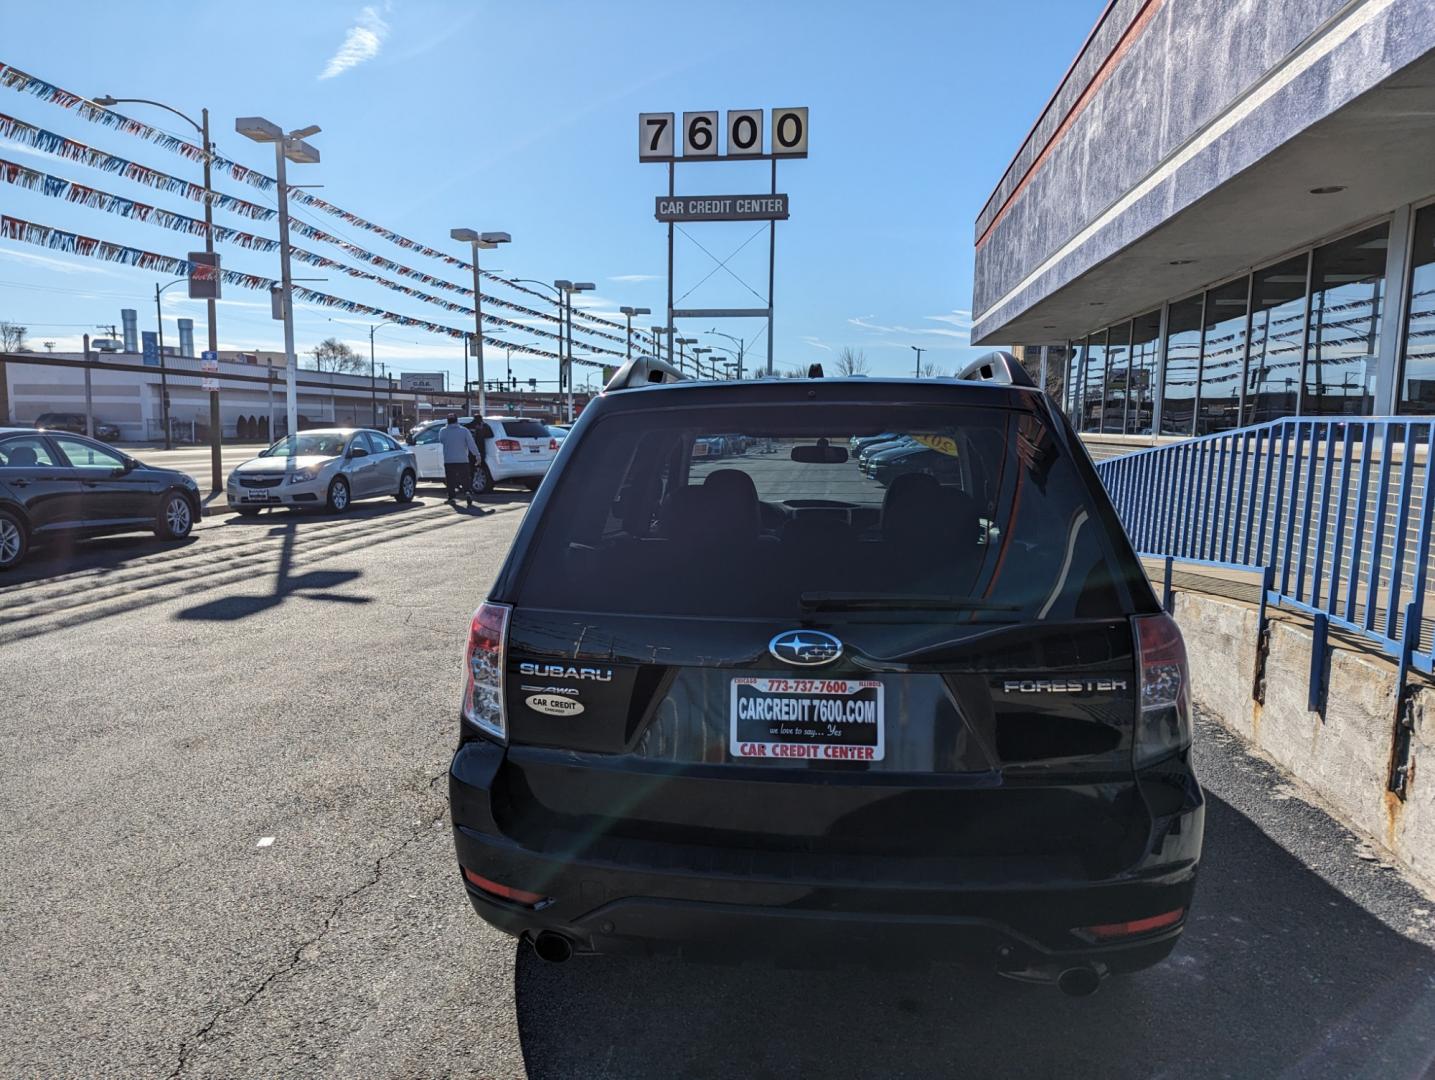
188, 1045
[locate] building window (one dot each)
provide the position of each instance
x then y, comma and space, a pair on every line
1417, 384
1183, 366
1140, 391
1093, 386
1075, 359
1346, 291
1277, 336
1223, 357
1118, 375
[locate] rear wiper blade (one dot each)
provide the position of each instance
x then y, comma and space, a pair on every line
847, 601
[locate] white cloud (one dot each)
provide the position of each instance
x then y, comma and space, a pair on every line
64, 266
633, 279
817, 343
958, 337
363, 42
957, 317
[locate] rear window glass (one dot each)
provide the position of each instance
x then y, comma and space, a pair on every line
970, 514
524, 429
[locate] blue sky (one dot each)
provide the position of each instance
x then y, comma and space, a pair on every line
521, 117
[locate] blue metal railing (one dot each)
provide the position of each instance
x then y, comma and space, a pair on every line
1334, 513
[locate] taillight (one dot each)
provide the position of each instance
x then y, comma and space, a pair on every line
507, 892
508, 444
1164, 725
483, 670
553, 444
1132, 928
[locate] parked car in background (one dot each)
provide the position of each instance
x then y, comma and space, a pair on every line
75, 422
55, 483
516, 450
558, 431
914, 459
325, 467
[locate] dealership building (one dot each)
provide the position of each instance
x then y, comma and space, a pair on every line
1226, 215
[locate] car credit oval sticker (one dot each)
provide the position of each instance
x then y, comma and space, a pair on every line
554, 704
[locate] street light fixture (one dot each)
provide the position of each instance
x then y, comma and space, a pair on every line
216, 477
479, 242
291, 147
630, 312
919, 351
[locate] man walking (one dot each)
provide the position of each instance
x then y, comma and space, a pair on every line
459, 450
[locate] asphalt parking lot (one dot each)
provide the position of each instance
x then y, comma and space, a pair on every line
227, 854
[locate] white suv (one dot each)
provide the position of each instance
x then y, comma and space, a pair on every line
515, 449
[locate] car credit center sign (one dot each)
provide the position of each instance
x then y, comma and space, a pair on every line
722, 207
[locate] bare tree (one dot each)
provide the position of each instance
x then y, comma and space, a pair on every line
331, 354
851, 361
12, 337
931, 371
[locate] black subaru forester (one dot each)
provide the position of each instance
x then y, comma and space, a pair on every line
762, 704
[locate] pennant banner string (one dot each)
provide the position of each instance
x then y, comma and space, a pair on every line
69, 149
12, 228
60, 188
24, 82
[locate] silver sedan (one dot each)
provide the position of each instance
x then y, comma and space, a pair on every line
324, 467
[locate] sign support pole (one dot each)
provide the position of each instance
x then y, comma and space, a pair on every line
672, 180
771, 264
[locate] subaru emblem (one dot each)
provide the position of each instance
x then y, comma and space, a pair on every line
805, 648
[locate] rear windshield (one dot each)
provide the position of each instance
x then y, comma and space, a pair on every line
967, 514
524, 429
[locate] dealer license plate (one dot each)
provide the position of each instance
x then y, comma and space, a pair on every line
816, 719
258, 496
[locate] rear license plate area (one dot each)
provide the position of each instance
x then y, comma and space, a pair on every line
806, 719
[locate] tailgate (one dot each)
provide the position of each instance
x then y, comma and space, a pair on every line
1000, 739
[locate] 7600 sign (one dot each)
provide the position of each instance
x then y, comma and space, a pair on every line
658, 134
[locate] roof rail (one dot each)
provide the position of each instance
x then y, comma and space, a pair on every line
997, 367
641, 371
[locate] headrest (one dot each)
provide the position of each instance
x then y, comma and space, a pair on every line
22, 456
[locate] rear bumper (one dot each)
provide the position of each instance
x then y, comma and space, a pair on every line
638, 899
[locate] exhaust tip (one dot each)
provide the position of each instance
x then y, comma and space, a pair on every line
1079, 981
552, 948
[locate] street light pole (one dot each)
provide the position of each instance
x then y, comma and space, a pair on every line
681, 342
741, 347
291, 147
630, 312
373, 386
487, 242
919, 353
163, 381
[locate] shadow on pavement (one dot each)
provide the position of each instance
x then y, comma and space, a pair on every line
1277, 974
298, 516
313, 585
67, 554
